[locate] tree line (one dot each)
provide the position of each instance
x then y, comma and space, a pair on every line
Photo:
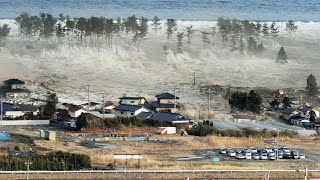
53, 161
238, 35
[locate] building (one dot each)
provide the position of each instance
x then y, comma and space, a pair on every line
305, 112
15, 88
75, 111
137, 101
17, 110
173, 118
165, 102
129, 110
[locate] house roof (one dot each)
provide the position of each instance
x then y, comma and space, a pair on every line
7, 106
91, 104
166, 96
13, 81
158, 105
288, 111
63, 114
133, 98
74, 108
168, 117
19, 107
305, 109
100, 115
131, 108
144, 115
18, 91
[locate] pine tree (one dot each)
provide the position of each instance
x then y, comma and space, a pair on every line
190, 32
4, 32
274, 31
291, 27
312, 87
171, 26
265, 30
205, 38
156, 25
179, 46
282, 56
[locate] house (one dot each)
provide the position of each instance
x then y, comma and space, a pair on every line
16, 88
165, 102
138, 101
17, 110
305, 112
101, 115
92, 106
129, 110
62, 114
173, 118
75, 111
298, 120
288, 113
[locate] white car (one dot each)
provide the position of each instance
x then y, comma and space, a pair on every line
256, 156
269, 150
248, 156
223, 151
240, 156
254, 150
272, 157
264, 156
302, 156
232, 153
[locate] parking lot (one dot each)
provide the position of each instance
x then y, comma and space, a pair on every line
265, 153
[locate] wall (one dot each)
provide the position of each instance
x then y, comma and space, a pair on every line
18, 86
13, 114
24, 122
130, 101
167, 101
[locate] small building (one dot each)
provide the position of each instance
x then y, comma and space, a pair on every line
244, 118
15, 88
137, 101
101, 115
305, 112
75, 111
165, 102
288, 113
173, 118
129, 110
17, 110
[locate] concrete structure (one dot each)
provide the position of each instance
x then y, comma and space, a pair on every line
25, 122
128, 110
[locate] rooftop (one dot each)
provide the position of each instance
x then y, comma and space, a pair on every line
169, 117
166, 96
133, 98
131, 108
13, 81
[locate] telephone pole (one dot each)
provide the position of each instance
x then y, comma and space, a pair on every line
1, 116
88, 98
175, 106
28, 166
103, 106
209, 99
194, 78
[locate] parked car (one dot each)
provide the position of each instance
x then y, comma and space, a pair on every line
253, 150
295, 154
240, 156
302, 156
285, 149
272, 154
264, 156
271, 157
268, 149
223, 151
280, 154
232, 153
248, 156
287, 155
256, 156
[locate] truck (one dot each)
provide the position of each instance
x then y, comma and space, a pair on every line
167, 130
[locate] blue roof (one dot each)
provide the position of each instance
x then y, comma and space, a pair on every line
131, 108
166, 96
144, 115
306, 108
168, 117
7, 106
288, 111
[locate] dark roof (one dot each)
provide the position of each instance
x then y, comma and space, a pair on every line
19, 107
63, 114
74, 108
7, 106
166, 96
91, 104
144, 115
135, 98
288, 111
306, 108
168, 117
13, 81
158, 105
18, 91
131, 108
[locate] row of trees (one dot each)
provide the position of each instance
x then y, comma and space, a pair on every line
234, 33
117, 122
246, 101
4, 32
53, 161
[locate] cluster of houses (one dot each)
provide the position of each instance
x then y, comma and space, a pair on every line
302, 116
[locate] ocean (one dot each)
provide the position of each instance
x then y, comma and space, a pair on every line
188, 10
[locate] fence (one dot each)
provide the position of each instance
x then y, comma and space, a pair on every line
24, 122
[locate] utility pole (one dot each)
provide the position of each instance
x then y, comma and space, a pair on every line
1, 111
28, 165
103, 106
209, 99
175, 106
88, 98
194, 78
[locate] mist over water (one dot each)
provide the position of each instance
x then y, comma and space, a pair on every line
195, 10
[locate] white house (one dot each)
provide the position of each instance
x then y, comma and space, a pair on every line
18, 110
138, 101
16, 88
75, 111
129, 110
